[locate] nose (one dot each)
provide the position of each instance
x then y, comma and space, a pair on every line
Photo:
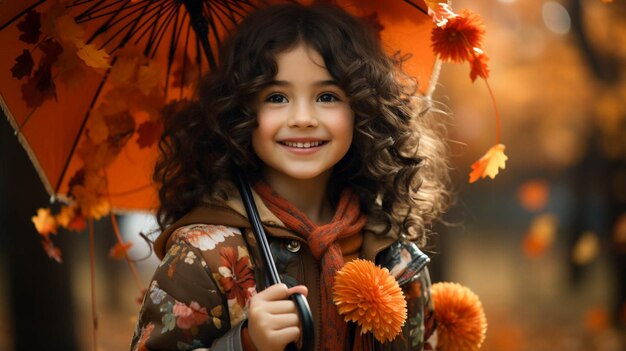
303, 116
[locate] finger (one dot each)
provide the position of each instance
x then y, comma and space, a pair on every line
287, 335
298, 289
282, 321
274, 292
280, 307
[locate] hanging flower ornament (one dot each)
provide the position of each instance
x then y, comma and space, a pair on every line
369, 296
461, 322
460, 38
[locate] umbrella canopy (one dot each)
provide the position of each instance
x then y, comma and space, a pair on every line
83, 82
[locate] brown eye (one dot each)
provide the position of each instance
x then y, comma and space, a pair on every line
327, 98
276, 99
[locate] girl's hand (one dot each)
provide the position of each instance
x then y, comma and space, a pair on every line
273, 320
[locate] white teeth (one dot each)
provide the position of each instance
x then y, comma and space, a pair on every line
304, 145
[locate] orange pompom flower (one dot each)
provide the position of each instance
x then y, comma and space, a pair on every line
461, 322
371, 297
455, 38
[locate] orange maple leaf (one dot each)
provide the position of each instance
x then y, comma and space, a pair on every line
540, 235
71, 218
52, 251
489, 164
120, 249
534, 194
44, 222
93, 57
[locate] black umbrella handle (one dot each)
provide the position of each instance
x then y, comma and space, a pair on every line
306, 319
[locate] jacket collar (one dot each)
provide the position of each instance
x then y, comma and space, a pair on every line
232, 213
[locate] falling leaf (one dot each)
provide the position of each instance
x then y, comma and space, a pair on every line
533, 195
125, 69
30, 27
51, 49
540, 236
586, 248
44, 222
489, 164
479, 65
91, 195
119, 251
149, 132
596, 319
70, 218
23, 65
52, 251
39, 88
93, 57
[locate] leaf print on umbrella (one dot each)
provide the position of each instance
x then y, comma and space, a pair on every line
237, 277
205, 237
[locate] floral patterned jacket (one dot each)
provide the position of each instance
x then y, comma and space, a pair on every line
210, 269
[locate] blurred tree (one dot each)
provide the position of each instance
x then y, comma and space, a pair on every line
40, 297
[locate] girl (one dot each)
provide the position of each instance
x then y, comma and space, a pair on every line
343, 165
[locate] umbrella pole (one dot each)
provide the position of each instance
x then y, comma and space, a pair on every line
304, 311
201, 26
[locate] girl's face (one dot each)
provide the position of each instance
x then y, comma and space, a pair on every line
305, 120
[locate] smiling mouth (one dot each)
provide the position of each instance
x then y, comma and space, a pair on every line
303, 145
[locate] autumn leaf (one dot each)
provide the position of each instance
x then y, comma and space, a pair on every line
51, 49
70, 218
39, 88
98, 130
23, 65
149, 132
586, 248
91, 195
596, 319
540, 236
119, 251
489, 164
51, 250
30, 28
533, 195
44, 222
478, 65
93, 57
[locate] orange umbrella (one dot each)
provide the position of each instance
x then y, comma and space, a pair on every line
83, 82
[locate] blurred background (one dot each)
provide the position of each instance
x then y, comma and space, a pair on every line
543, 244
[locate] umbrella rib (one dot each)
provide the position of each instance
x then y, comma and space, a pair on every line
416, 6
185, 58
22, 13
147, 29
162, 29
176, 31
152, 28
105, 26
82, 128
88, 14
211, 21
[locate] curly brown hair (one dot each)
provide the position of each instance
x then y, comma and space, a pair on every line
397, 162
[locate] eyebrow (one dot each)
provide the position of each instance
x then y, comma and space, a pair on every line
320, 83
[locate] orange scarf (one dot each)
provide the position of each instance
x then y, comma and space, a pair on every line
322, 240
